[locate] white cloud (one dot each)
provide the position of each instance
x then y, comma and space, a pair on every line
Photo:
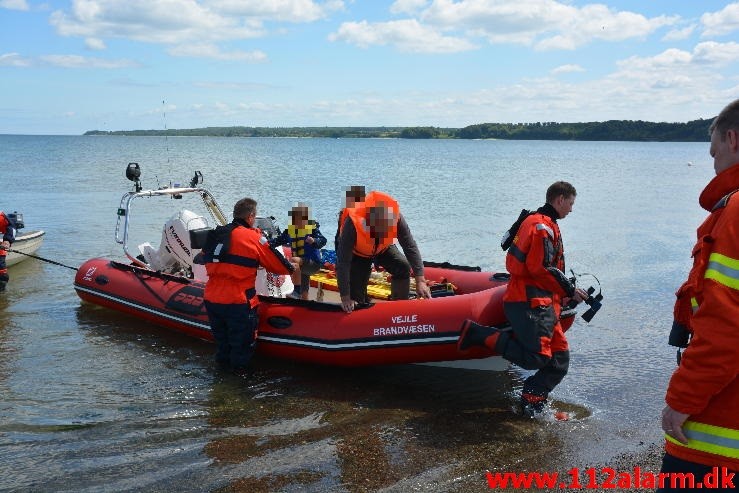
77, 61
713, 53
160, 21
543, 24
13, 60
567, 69
14, 4
183, 21
674, 85
597, 22
681, 61
722, 22
212, 51
679, 34
406, 35
407, 6
95, 44
689, 80
276, 10
546, 24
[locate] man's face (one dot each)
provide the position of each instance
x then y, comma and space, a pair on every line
723, 151
563, 205
250, 219
379, 221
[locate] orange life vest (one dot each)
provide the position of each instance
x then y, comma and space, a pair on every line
536, 259
368, 244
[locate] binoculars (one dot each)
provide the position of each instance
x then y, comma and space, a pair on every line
594, 302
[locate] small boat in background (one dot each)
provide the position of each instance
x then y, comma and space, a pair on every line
25, 243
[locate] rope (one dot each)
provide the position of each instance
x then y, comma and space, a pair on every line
43, 259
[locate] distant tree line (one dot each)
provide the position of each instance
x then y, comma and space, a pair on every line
633, 130
331, 132
618, 130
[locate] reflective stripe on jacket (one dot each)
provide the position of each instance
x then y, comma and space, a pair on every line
705, 385
714, 440
231, 276
367, 244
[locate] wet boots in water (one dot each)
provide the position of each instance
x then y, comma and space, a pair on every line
532, 404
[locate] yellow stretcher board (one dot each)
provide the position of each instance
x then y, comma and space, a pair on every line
378, 287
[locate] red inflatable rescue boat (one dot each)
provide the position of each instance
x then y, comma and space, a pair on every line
164, 287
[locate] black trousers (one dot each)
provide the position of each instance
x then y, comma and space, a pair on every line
523, 346
3, 271
393, 262
679, 468
233, 327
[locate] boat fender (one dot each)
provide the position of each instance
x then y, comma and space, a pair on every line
510, 235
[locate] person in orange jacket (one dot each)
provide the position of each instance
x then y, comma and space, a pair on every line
533, 301
368, 235
701, 418
7, 229
232, 255
354, 196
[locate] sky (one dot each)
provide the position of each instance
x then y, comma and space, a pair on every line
71, 66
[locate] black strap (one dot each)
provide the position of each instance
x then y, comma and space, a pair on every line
517, 253
236, 260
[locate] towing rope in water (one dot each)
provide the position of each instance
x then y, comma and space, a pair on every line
43, 259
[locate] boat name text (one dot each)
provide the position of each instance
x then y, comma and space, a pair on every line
396, 329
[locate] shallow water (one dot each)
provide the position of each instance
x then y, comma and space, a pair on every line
95, 401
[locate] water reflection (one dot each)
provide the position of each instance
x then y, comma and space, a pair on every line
326, 429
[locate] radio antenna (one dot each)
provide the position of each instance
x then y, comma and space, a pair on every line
164, 119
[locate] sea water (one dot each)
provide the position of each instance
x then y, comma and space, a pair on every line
91, 400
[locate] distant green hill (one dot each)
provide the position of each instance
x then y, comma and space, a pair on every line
614, 130
694, 131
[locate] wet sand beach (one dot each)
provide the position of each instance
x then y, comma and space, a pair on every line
395, 429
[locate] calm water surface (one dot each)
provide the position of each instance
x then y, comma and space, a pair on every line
95, 401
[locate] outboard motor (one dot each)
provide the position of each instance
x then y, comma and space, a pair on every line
17, 218
176, 253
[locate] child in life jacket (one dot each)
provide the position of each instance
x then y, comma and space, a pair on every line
305, 240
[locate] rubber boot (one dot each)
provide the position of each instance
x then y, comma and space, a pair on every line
400, 289
474, 334
532, 404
